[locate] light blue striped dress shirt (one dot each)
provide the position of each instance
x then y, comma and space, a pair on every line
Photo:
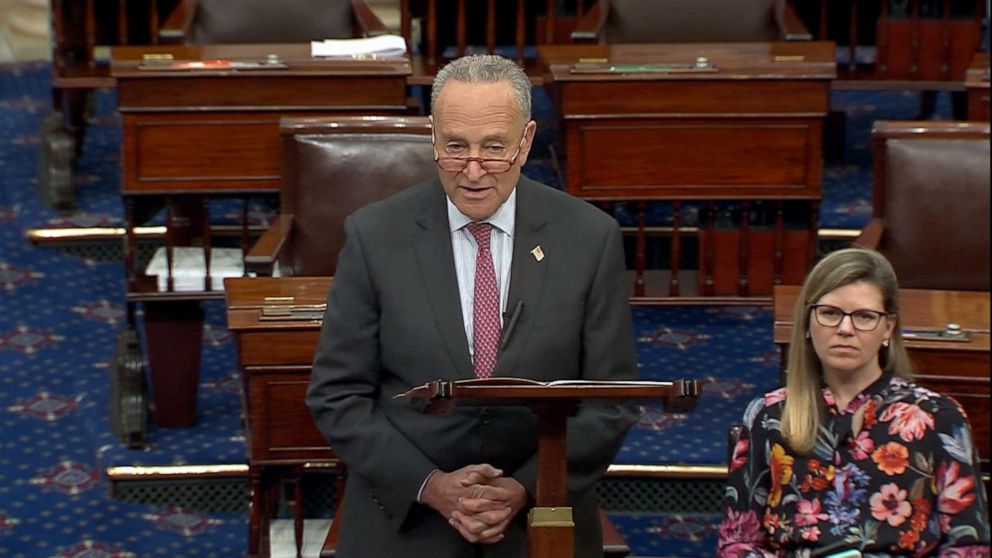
465, 249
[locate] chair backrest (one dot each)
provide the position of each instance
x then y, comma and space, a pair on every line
690, 21
453, 28
931, 188
267, 21
336, 165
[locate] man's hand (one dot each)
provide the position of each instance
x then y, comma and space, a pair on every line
484, 516
444, 491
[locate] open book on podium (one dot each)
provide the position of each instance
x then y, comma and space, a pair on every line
678, 396
550, 528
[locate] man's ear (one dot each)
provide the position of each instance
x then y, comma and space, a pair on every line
530, 130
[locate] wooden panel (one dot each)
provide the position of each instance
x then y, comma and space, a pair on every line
282, 427
738, 97
268, 92
174, 147
265, 348
693, 158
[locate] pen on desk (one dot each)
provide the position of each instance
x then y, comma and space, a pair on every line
511, 324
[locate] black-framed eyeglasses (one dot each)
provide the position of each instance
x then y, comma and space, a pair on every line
862, 320
491, 166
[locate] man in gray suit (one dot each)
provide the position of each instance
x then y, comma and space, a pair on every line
480, 272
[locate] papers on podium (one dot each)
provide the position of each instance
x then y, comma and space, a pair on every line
381, 46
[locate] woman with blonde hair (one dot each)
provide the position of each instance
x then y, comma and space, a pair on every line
851, 458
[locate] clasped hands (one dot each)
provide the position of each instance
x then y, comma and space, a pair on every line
477, 500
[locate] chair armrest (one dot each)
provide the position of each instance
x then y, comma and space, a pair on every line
262, 256
790, 27
176, 27
589, 29
871, 235
368, 23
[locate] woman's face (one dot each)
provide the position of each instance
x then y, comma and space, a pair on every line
851, 346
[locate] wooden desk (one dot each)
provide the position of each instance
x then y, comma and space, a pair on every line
218, 130
749, 128
958, 369
275, 358
976, 81
190, 134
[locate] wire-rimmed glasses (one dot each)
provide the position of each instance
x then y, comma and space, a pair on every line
862, 320
491, 166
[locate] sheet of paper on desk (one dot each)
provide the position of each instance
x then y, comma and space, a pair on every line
382, 46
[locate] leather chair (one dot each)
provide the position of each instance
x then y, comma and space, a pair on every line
931, 203
689, 21
265, 21
333, 166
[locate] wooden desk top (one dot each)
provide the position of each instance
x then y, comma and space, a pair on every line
296, 58
920, 309
246, 296
812, 60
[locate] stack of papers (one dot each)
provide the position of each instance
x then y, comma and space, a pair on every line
189, 268
382, 46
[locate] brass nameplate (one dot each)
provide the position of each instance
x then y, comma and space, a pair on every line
550, 517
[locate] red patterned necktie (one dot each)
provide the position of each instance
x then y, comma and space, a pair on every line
485, 312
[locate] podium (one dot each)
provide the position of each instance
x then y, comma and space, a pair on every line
550, 530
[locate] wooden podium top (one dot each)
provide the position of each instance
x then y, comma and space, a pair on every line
779, 60
919, 310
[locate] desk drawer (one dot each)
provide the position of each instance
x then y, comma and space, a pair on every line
277, 347
687, 158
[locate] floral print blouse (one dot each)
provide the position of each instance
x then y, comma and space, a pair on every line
907, 484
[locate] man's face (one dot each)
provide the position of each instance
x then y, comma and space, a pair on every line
480, 120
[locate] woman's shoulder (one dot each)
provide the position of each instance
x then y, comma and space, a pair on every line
910, 405
908, 391
769, 404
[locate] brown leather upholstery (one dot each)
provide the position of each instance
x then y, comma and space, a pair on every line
334, 166
690, 21
932, 198
677, 21
268, 21
265, 21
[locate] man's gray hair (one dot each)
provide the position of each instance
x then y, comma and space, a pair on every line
485, 68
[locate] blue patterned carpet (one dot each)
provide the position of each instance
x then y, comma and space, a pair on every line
59, 315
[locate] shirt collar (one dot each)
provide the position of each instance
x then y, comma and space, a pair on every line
872, 390
503, 218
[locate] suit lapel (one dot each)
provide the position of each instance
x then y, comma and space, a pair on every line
437, 267
526, 278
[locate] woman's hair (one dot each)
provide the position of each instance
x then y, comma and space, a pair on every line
485, 68
804, 373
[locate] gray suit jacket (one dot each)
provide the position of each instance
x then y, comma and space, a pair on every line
394, 322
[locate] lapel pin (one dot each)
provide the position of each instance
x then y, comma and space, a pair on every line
538, 253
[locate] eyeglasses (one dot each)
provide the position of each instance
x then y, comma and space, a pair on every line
862, 320
491, 166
